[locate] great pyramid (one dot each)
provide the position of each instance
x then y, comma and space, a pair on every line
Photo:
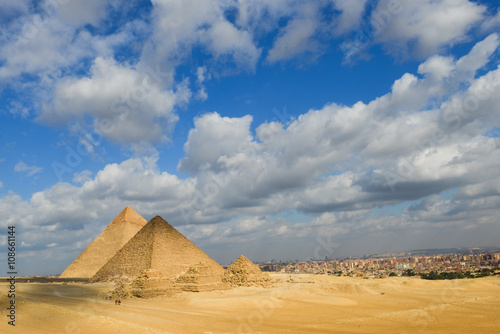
110, 241
156, 246
244, 272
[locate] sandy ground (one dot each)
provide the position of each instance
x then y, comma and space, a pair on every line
309, 304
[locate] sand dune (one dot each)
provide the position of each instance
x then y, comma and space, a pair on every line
305, 304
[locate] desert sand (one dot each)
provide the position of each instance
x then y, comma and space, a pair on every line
304, 304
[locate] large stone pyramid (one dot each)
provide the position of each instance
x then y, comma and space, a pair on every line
110, 241
156, 246
244, 272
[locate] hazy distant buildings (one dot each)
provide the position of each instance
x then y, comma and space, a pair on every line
391, 265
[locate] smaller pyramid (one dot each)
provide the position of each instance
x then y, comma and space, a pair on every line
201, 278
244, 272
104, 247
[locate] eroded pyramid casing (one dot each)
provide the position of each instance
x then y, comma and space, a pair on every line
105, 246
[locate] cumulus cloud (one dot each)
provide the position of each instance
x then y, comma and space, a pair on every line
201, 77
262, 16
224, 39
412, 30
294, 39
13, 8
351, 15
409, 142
182, 25
30, 170
492, 22
212, 138
78, 13
128, 105
307, 29
82, 177
43, 49
46, 40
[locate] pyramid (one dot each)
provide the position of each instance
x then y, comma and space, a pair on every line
110, 241
244, 272
201, 278
156, 246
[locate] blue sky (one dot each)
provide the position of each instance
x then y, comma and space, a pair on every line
255, 127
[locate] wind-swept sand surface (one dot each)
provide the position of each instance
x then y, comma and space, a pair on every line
308, 304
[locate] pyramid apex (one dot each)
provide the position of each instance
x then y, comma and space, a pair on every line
127, 209
159, 220
128, 215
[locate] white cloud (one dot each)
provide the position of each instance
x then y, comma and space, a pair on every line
296, 38
396, 134
437, 67
262, 15
18, 109
492, 22
201, 77
82, 177
478, 56
224, 39
128, 105
351, 16
1, 184
49, 41
425, 27
40, 49
23, 167
80, 12
13, 8
230, 134
181, 25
